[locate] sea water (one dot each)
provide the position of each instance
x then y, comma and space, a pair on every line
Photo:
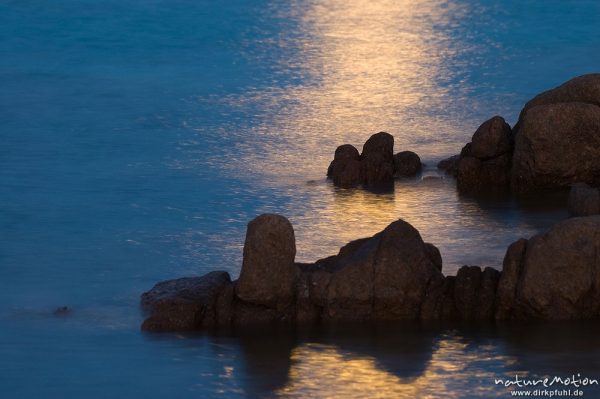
138, 138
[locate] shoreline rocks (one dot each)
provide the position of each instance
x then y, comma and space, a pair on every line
393, 275
376, 166
555, 143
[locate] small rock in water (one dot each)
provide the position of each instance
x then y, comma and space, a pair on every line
62, 311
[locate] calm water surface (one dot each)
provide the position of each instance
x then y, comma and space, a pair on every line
139, 137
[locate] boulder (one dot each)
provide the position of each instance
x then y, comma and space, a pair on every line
492, 139
582, 89
407, 164
269, 275
484, 164
184, 304
554, 275
375, 167
345, 169
584, 200
377, 159
384, 277
557, 145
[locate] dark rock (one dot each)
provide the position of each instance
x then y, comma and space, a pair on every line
384, 277
466, 151
449, 165
407, 164
558, 274
584, 200
492, 139
557, 145
269, 275
582, 89
507, 285
475, 292
345, 169
484, 164
377, 159
434, 255
476, 176
183, 304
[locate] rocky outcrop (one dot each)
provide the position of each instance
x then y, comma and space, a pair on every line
557, 145
582, 89
375, 166
484, 164
269, 275
184, 304
584, 200
553, 276
393, 275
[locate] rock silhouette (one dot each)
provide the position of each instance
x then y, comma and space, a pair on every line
393, 275
376, 166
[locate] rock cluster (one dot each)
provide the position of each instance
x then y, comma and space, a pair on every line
555, 143
393, 275
375, 166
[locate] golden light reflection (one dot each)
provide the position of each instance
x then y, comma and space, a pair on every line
366, 66
323, 371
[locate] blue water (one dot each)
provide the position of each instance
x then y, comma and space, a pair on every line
139, 137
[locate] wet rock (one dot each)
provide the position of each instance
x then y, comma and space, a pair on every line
584, 200
449, 165
557, 274
269, 275
407, 164
375, 167
484, 164
183, 304
345, 169
557, 145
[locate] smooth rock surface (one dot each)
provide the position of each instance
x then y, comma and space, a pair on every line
557, 145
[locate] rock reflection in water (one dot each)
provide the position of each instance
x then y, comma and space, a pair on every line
411, 361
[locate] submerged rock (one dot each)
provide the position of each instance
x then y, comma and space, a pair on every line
584, 200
